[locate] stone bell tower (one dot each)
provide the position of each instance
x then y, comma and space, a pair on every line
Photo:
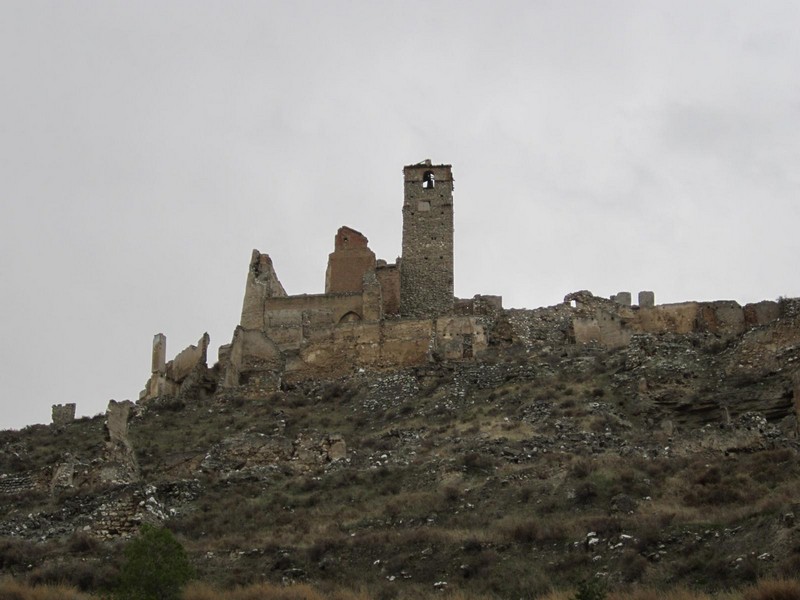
426, 269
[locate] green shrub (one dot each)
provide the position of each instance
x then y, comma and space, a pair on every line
156, 566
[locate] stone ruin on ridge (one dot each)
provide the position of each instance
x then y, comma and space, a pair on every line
373, 314
376, 314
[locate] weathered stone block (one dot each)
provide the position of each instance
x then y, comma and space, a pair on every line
117, 416
647, 299
187, 359
159, 362
761, 313
63, 413
623, 298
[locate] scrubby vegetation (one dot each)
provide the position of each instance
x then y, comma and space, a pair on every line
519, 477
764, 590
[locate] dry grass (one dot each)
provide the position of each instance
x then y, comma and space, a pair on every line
268, 591
464, 498
530, 531
15, 590
774, 589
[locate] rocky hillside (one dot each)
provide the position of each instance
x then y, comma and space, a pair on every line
672, 460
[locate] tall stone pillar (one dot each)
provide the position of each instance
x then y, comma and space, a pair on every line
159, 354
426, 269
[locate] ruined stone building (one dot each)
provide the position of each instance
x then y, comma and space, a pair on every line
372, 313
376, 314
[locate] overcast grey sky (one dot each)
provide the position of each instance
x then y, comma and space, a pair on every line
147, 147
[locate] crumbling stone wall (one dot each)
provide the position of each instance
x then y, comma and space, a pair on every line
673, 318
611, 323
252, 360
347, 326
349, 262
20, 483
623, 298
123, 514
119, 464
291, 319
478, 305
388, 343
159, 356
188, 359
426, 269
647, 299
63, 474
607, 328
389, 278
262, 284
63, 413
766, 350
371, 298
338, 350
459, 338
761, 313
183, 372
540, 328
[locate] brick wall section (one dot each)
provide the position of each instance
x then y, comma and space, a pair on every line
426, 269
349, 262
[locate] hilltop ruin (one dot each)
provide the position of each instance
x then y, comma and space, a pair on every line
377, 314
385, 413
373, 314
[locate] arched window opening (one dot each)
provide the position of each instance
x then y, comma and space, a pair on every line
350, 317
428, 181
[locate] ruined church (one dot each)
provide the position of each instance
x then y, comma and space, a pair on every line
376, 314
373, 313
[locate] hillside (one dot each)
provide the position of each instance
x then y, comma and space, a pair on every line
670, 460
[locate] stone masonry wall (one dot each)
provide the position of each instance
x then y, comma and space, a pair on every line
337, 350
289, 320
612, 324
389, 278
172, 378
262, 284
63, 413
252, 360
426, 269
